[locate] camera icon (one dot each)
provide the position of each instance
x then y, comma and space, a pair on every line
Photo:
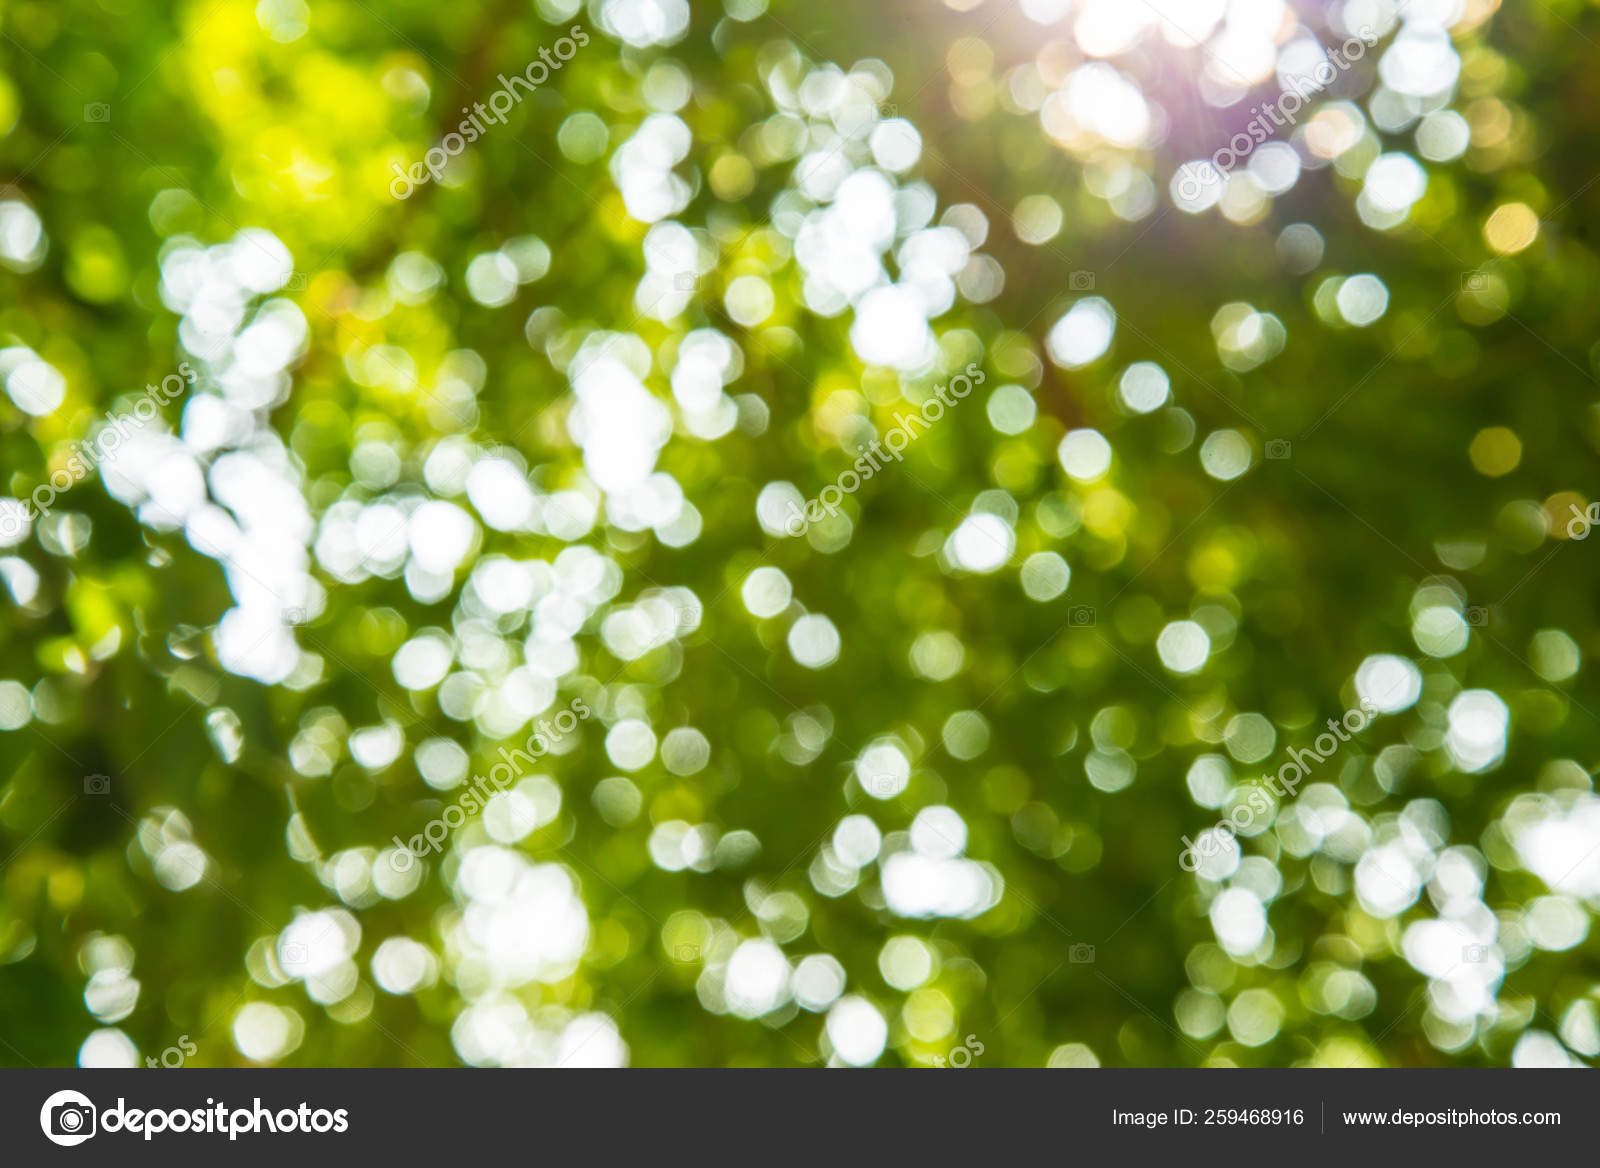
96, 785
888, 110
1475, 954
296, 282
1474, 281
879, 784
1080, 616
686, 281
1278, 448
72, 1119
97, 111
293, 954
68, 1118
294, 616
1081, 955
686, 953
1081, 281
1477, 616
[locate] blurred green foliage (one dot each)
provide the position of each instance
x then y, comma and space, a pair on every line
1442, 446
